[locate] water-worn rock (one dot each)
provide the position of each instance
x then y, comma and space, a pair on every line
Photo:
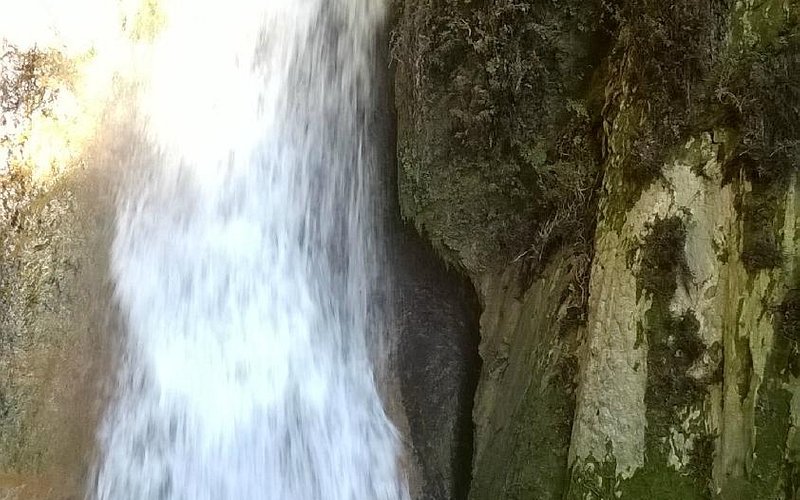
438, 365
53, 289
52, 342
667, 367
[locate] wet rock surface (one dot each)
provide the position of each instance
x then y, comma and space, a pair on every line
438, 365
639, 322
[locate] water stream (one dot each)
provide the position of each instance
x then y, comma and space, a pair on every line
246, 255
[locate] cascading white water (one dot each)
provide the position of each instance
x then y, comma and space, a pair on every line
244, 260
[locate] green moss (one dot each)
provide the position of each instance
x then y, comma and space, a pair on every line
662, 56
498, 115
792, 483
760, 91
771, 470
594, 480
701, 460
530, 459
790, 315
745, 372
663, 260
659, 481
496, 134
769, 151
758, 23
525, 422
767, 472
673, 347
762, 213
679, 74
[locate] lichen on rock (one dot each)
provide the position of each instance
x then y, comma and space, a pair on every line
684, 354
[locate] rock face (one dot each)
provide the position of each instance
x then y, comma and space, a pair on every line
53, 290
437, 366
619, 182
433, 333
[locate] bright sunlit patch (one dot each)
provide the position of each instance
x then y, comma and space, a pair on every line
91, 48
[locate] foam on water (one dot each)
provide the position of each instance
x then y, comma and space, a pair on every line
245, 257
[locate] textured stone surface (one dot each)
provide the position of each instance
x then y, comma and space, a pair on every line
53, 291
674, 376
438, 365
525, 400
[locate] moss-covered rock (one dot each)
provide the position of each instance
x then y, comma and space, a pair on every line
497, 112
681, 379
526, 397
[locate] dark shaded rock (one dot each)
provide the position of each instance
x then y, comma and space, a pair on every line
438, 362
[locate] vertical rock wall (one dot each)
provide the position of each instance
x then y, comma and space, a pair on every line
638, 336
53, 291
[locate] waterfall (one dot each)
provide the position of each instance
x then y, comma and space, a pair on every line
245, 260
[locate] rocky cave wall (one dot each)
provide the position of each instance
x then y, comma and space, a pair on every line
618, 180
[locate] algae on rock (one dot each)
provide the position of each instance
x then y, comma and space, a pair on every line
675, 373
496, 123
